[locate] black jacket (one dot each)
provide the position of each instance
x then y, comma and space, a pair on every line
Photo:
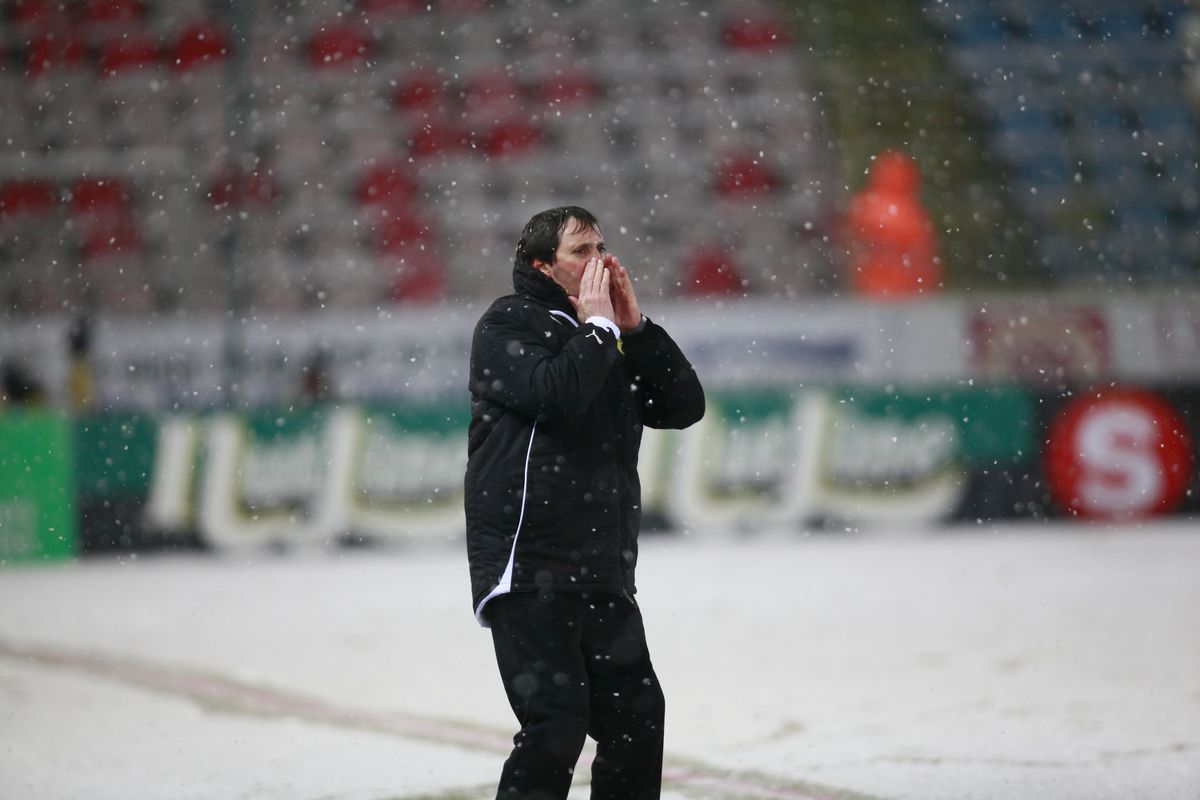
553, 499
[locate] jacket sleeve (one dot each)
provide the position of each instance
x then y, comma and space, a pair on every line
512, 366
668, 387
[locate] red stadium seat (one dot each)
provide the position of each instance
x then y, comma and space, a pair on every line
399, 233
105, 11
103, 217
128, 51
493, 93
53, 51
26, 198
199, 45
744, 175
420, 277
100, 241
27, 12
100, 196
103, 214
760, 32
386, 185
422, 91
338, 45
511, 137
389, 7
39, 15
441, 136
712, 271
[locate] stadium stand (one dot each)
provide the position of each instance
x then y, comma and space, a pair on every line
286, 155
1085, 102
283, 155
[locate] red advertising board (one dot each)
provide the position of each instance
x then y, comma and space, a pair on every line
1040, 343
1118, 454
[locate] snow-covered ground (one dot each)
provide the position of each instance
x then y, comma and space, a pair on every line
1007, 662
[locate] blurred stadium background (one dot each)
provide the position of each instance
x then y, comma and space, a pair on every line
248, 240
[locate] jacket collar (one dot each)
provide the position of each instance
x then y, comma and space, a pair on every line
532, 283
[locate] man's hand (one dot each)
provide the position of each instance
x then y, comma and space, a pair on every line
595, 295
624, 301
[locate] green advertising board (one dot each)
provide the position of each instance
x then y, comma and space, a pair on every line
312, 476
37, 488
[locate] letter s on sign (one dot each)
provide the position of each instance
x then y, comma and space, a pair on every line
1118, 454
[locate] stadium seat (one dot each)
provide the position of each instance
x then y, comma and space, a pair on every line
53, 51
438, 137
490, 95
199, 45
386, 8
973, 27
401, 229
711, 271
127, 51
30, 14
103, 213
112, 11
1170, 123
25, 198
338, 45
1114, 21
511, 137
757, 30
389, 184
422, 92
418, 276
118, 236
102, 197
197, 97
743, 174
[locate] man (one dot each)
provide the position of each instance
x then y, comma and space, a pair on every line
564, 374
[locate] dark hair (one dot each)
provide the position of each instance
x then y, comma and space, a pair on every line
542, 234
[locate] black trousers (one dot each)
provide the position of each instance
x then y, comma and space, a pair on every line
577, 665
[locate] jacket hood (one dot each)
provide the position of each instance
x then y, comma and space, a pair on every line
536, 284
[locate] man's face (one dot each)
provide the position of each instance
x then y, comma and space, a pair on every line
577, 245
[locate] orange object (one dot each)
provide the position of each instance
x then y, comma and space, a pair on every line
893, 249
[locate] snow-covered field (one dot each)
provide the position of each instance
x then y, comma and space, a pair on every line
1008, 662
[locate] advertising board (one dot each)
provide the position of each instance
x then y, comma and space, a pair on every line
765, 458
201, 364
37, 509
